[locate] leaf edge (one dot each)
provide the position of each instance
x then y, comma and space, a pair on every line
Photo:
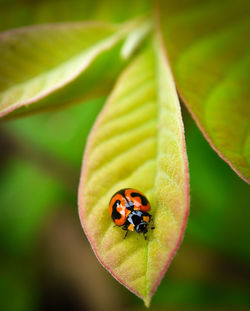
147, 299
185, 102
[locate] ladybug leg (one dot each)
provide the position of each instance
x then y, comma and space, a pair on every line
125, 234
125, 227
145, 237
152, 227
115, 226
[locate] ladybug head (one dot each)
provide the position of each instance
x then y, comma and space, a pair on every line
142, 227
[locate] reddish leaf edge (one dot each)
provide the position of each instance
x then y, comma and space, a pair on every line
185, 102
206, 136
80, 70
184, 222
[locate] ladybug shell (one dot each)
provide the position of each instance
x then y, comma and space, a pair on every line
124, 201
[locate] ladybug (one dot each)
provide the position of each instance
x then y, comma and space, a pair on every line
129, 209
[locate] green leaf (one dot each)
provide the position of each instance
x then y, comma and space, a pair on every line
39, 60
137, 142
209, 54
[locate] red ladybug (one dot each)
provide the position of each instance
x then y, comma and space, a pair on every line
129, 210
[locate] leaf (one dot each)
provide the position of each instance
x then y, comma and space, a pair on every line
137, 142
95, 82
39, 60
210, 59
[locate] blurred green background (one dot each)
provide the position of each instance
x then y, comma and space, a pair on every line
46, 263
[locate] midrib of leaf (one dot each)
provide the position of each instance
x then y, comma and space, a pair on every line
70, 67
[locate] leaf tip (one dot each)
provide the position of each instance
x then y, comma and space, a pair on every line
147, 301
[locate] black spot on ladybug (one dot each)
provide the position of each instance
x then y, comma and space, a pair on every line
129, 204
144, 201
122, 192
115, 214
